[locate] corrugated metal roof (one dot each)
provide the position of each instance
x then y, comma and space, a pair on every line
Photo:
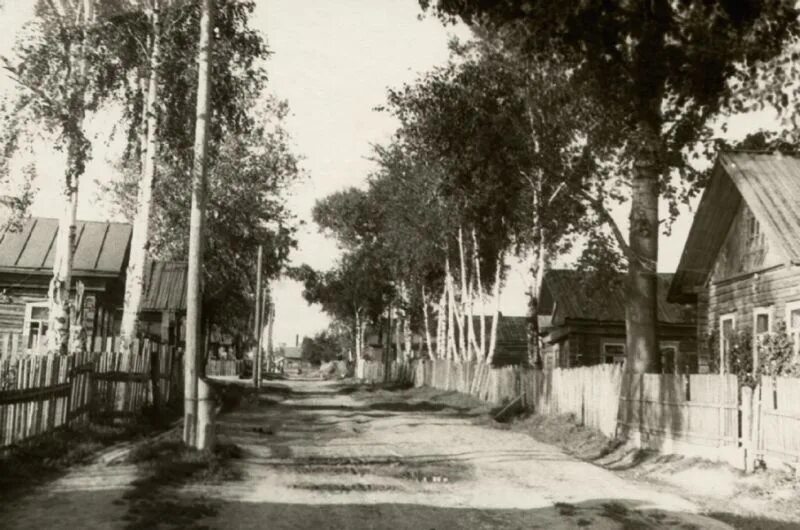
582, 296
165, 286
100, 247
770, 186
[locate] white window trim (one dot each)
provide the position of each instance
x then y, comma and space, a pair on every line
722, 320
764, 310
26, 325
674, 345
792, 306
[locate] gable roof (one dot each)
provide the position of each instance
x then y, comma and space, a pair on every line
770, 186
165, 286
574, 295
101, 248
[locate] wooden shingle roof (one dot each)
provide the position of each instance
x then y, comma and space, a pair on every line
165, 286
577, 295
101, 248
770, 186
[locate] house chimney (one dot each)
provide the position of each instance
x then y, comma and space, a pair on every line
297, 340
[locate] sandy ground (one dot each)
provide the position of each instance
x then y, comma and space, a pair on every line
320, 455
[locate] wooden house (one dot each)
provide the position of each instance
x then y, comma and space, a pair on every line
582, 319
741, 262
26, 268
164, 301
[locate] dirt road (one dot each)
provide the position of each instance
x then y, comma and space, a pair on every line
325, 456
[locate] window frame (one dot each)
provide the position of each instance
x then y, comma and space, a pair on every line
26, 326
613, 342
791, 332
674, 345
722, 319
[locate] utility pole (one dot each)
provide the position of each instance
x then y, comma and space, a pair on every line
259, 323
193, 291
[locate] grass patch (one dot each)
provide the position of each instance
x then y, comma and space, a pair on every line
49, 456
166, 466
564, 432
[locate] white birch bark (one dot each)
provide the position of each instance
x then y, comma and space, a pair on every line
496, 311
426, 323
481, 297
441, 325
140, 239
59, 292
358, 336
451, 339
465, 352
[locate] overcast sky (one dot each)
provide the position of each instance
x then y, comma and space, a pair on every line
333, 62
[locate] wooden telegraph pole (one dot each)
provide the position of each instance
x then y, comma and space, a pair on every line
193, 290
259, 320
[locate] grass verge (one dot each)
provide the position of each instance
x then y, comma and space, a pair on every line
165, 467
45, 458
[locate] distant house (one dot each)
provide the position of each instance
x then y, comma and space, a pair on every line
741, 262
26, 268
583, 322
164, 300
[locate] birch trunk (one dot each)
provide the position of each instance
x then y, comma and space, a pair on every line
426, 323
496, 312
537, 273
441, 325
358, 336
465, 353
140, 239
479, 288
59, 292
451, 339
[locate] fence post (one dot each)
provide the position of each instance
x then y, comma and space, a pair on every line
747, 427
155, 374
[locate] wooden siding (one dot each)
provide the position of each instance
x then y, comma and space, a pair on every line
775, 288
744, 252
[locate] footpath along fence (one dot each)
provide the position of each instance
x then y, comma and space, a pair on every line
705, 415
41, 393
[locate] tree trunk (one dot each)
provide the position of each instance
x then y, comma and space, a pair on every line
357, 337
195, 266
463, 324
537, 273
479, 289
140, 238
76, 146
441, 325
496, 313
641, 311
426, 323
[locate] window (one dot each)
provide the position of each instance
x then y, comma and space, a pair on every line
669, 357
793, 325
753, 229
613, 352
37, 315
727, 326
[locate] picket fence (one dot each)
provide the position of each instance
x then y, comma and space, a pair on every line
706, 415
775, 413
41, 393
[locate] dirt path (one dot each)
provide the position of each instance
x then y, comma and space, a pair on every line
319, 455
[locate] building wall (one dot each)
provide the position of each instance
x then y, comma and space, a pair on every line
749, 273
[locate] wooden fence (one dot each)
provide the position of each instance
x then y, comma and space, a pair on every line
690, 414
776, 417
41, 393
